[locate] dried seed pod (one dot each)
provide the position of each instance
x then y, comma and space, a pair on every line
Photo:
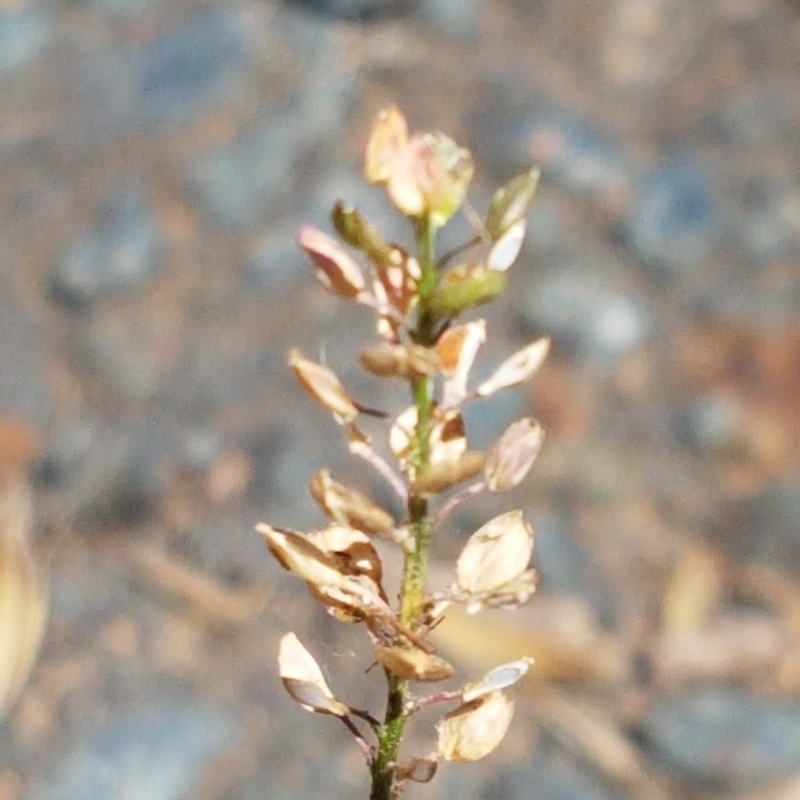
474, 729
511, 202
399, 361
496, 553
23, 590
347, 506
508, 596
505, 250
443, 475
352, 550
323, 385
501, 677
335, 268
510, 458
457, 348
413, 664
303, 679
516, 369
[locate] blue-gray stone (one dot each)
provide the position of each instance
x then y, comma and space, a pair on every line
25, 30
725, 736
674, 220
570, 149
710, 423
244, 183
355, 10
584, 308
153, 753
197, 63
122, 252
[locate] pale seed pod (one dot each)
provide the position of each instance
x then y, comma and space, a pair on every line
511, 203
413, 664
405, 361
516, 369
510, 458
335, 268
323, 385
474, 729
443, 475
347, 506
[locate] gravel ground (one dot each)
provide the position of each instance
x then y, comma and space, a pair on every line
156, 161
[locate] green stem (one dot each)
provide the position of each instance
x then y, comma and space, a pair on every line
412, 587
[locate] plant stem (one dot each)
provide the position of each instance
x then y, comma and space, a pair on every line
412, 588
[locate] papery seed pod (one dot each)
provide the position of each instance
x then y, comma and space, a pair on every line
508, 596
501, 677
387, 139
335, 268
352, 550
358, 232
412, 664
323, 385
399, 361
511, 203
303, 679
516, 369
448, 440
496, 553
443, 475
466, 286
456, 349
505, 250
510, 458
23, 589
474, 729
347, 506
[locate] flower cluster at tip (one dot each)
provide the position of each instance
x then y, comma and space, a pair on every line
426, 460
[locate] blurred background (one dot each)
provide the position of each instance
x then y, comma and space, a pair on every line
156, 159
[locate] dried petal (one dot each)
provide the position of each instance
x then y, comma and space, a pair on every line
511, 203
303, 679
496, 553
399, 360
347, 506
388, 138
473, 730
443, 475
413, 664
505, 250
512, 455
457, 348
466, 286
516, 369
323, 385
500, 677
336, 269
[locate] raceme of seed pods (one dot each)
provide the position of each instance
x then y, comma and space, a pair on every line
418, 300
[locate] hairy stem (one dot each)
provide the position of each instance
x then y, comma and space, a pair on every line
412, 588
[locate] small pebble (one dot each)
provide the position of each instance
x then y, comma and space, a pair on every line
726, 736
122, 252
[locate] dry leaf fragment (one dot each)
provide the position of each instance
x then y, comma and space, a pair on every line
495, 554
474, 729
413, 664
335, 268
500, 677
303, 679
518, 368
510, 458
347, 506
323, 385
